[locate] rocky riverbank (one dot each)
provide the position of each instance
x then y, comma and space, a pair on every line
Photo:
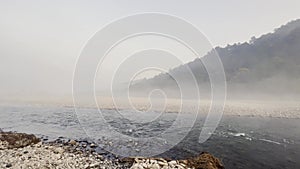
20, 151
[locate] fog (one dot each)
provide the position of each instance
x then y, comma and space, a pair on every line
41, 41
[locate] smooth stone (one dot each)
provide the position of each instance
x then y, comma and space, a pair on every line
95, 165
73, 142
58, 150
172, 163
137, 166
93, 145
155, 166
162, 163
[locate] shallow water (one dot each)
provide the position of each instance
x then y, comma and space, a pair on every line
239, 141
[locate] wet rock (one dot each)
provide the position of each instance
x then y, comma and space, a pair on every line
205, 161
17, 140
8, 165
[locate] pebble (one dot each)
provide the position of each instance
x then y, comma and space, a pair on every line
73, 142
146, 163
53, 156
8, 165
93, 145
95, 165
58, 150
162, 163
157, 163
155, 166
64, 154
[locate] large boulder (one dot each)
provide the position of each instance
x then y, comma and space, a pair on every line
9, 140
205, 161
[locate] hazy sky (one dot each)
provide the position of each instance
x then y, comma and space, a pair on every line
40, 40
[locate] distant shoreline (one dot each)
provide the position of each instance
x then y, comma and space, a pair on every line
257, 108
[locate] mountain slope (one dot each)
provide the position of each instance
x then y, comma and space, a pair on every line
270, 64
